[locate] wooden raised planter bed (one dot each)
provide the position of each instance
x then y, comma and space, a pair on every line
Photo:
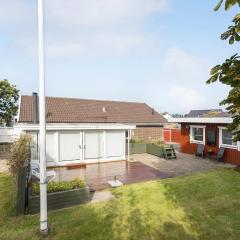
58, 200
154, 149
150, 148
138, 148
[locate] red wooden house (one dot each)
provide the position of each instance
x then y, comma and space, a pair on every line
212, 133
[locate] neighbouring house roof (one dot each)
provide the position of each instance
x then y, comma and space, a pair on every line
71, 110
167, 116
206, 113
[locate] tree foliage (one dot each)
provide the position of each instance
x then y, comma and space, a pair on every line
229, 72
9, 95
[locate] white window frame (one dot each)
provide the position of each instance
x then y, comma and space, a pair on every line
204, 134
221, 144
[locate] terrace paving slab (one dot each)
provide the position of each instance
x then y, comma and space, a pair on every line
184, 164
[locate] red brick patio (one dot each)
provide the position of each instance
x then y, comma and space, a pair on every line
98, 175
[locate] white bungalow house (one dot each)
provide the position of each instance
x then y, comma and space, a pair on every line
86, 131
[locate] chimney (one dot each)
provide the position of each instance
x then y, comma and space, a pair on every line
153, 111
104, 109
34, 107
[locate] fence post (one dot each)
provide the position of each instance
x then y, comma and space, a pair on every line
21, 189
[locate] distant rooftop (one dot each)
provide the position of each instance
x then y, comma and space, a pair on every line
207, 113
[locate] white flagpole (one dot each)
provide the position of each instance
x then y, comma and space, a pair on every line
42, 123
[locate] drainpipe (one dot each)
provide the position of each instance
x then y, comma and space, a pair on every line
128, 144
34, 108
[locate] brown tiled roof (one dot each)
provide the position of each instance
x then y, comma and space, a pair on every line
70, 110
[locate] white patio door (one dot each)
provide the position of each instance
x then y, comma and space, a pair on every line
93, 145
70, 146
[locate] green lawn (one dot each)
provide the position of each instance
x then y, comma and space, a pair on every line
201, 206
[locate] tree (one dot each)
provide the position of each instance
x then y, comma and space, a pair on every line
229, 72
9, 95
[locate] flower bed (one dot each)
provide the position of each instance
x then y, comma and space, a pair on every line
58, 186
60, 195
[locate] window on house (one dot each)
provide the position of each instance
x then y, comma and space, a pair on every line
197, 134
227, 139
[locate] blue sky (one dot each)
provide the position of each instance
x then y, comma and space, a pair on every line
154, 51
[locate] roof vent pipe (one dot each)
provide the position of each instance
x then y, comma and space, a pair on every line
153, 111
34, 107
104, 109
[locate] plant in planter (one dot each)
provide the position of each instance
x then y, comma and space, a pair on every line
60, 195
137, 141
59, 186
156, 142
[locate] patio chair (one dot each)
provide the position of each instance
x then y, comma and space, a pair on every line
200, 151
35, 171
220, 155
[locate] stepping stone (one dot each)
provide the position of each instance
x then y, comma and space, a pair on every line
101, 196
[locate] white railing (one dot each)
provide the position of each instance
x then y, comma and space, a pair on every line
34, 152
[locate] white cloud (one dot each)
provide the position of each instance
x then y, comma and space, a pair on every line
186, 98
185, 67
182, 61
12, 11
77, 28
95, 13
99, 44
182, 76
98, 27
17, 15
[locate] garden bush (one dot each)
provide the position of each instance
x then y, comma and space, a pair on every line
19, 153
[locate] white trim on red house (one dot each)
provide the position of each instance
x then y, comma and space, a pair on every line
191, 134
220, 140
221, 120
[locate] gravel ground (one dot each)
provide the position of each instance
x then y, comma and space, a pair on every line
184, 164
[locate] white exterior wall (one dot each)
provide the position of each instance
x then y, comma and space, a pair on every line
79, 143
81, 146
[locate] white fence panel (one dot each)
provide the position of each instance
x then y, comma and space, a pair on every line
8, 134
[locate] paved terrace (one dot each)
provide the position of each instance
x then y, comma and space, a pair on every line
141, 167
184, 164
98, 175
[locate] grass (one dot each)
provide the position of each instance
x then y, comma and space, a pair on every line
201, 206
